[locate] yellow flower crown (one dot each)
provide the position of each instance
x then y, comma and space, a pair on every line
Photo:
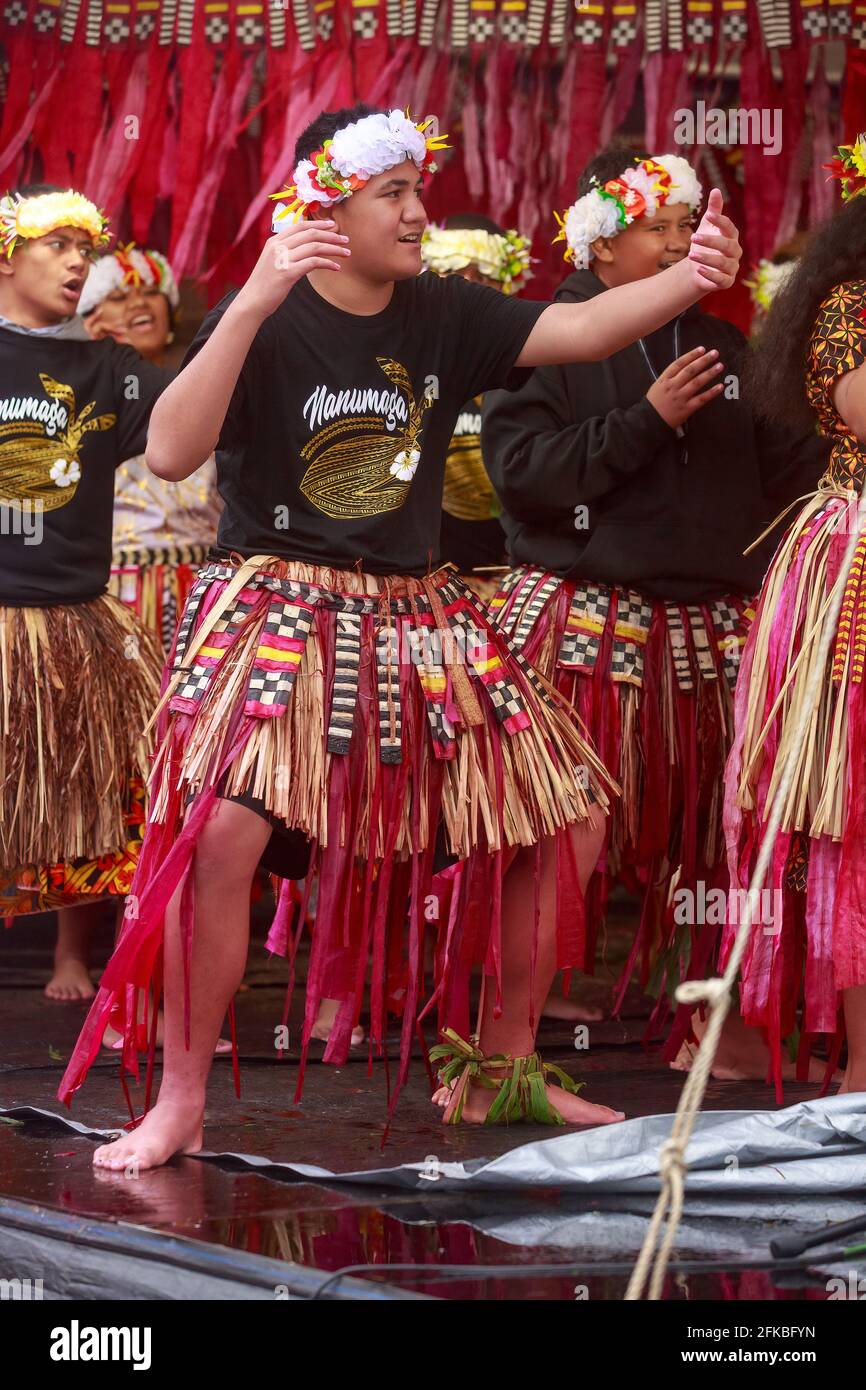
22, 219
502, 256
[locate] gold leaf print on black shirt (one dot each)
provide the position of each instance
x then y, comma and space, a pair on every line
357, 469
36, 465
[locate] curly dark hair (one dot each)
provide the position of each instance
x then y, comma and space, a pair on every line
326, 125
774, 373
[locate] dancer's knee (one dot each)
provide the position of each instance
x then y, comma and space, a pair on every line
230, 845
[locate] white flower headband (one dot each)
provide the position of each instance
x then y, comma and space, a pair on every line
639, 191
353, 156
123, 267
502, 256
22, 219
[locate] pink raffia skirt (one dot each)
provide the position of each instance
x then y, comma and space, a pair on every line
383, 721
812, 942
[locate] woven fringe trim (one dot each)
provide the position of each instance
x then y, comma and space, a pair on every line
78, 686
550, 773
713, 700
155, 585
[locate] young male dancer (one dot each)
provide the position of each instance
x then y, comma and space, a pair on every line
631, 488
328, 683
78, 671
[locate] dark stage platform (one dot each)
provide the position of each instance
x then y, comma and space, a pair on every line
200, 1229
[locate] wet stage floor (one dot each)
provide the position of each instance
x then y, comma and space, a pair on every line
271, 1222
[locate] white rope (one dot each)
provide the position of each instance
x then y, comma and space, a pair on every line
673, 1166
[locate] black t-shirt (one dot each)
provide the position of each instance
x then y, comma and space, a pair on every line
333, 448
470, 535
70, 413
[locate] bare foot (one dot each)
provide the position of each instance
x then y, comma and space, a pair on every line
327, 1017
570, 1010
573, 1110
113, 1041
322, 1032
166, 1130
728, 1066
70, 980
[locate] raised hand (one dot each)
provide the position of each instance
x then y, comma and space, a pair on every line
287, 257
99, 330
687, 384
715, 250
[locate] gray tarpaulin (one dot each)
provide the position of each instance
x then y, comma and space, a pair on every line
816, 1147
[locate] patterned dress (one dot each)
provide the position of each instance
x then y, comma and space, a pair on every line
162, 534
810, 940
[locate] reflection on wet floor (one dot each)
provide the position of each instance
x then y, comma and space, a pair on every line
329, 1228
339, 1124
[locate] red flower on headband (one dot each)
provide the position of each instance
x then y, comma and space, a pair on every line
631, 200
842, 167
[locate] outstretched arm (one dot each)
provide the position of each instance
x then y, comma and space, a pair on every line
591, 331
187, 419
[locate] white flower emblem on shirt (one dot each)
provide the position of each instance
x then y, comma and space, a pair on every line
405, 465
65, 472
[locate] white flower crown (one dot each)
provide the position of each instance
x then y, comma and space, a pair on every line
354, 155
638, 191
123, 267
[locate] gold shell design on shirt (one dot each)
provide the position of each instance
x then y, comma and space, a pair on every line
351, 472
37, 467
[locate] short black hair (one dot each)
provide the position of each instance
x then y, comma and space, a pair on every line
34, 190
326, 125
472, 222
609, 163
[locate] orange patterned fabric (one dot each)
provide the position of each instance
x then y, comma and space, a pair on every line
838, 346
46, 887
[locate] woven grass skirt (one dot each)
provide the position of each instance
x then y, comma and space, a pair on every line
653, 684
79, 683
154, 581
379, 718
811, 943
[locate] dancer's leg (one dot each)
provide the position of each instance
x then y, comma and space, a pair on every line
70, 976
226, 856
511, 1032
854, 1004
112, 1041
570, 1010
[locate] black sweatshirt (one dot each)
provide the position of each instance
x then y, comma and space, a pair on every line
595, 485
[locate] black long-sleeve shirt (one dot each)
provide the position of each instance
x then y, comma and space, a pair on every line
595, 485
